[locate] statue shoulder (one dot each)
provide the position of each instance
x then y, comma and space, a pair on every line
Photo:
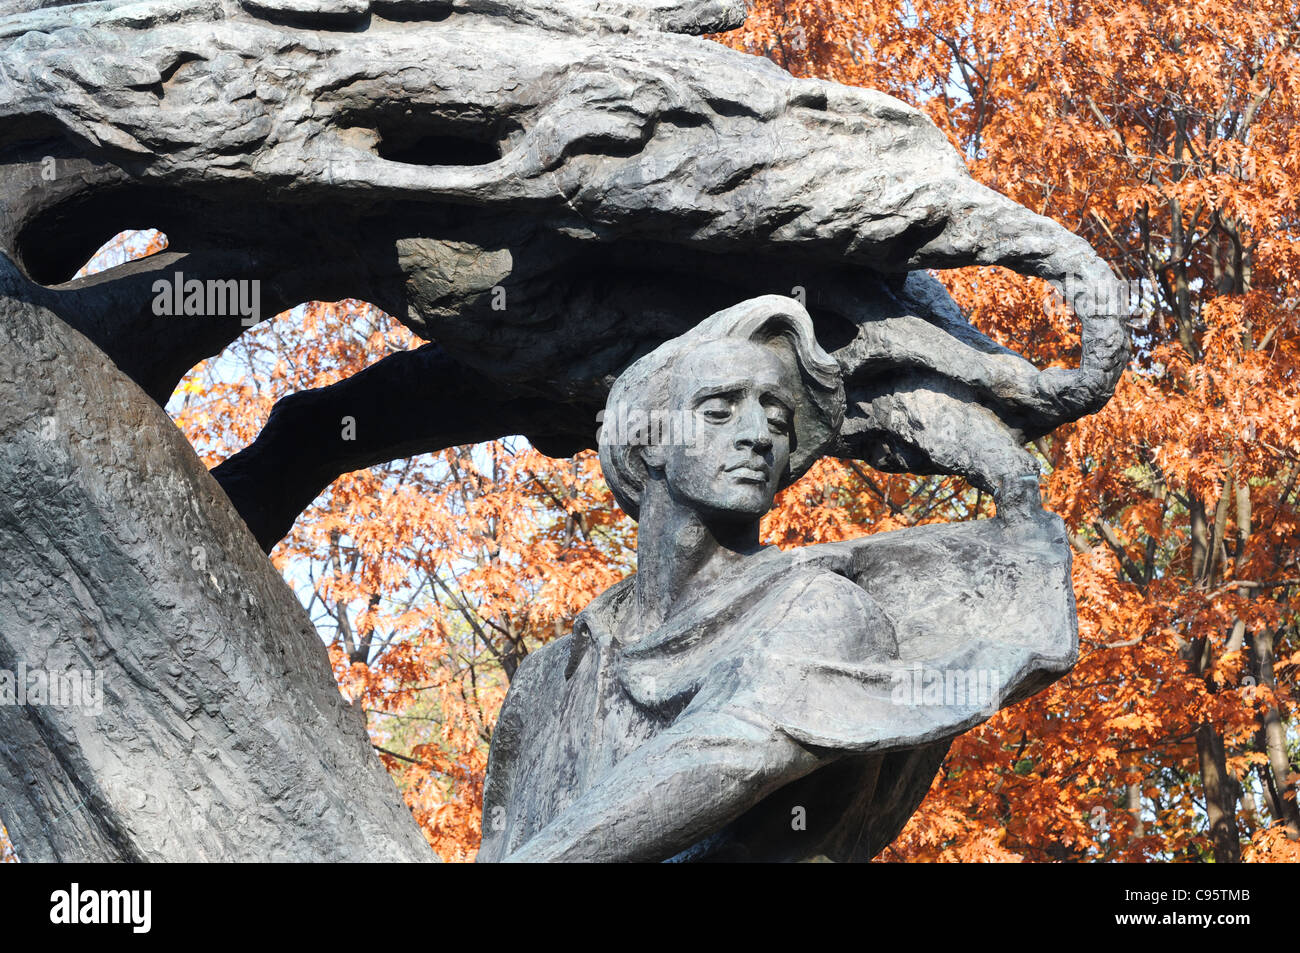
531, 706
540, 674
831, 611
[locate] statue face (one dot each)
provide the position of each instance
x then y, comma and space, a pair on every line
740, 398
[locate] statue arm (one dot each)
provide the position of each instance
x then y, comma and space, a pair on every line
697, 775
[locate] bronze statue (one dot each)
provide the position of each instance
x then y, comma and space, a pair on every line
731, 701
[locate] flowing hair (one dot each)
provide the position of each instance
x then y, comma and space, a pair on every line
766, 320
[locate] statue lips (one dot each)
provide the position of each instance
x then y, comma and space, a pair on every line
750, 471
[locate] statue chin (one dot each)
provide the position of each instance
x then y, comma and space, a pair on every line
731, 514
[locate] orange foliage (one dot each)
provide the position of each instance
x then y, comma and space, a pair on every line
1166, 134
7, 855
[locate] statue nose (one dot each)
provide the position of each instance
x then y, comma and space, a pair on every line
754, 431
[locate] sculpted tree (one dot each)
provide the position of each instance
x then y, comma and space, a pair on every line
542, 192
432, 576
1167, 136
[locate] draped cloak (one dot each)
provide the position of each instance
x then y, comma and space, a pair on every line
872, 653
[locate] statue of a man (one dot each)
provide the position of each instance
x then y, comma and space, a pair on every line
731, 701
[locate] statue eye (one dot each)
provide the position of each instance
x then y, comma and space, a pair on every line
715, 409
778, 418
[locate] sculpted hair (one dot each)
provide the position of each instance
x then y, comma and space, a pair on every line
642, 389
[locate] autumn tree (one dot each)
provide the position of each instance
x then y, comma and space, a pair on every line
1167, 135
7, 855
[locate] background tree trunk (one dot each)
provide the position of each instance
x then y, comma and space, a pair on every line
222, 734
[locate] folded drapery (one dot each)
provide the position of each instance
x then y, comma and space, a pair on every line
868, 655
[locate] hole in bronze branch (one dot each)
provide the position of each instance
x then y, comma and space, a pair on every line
436, 140
440, 150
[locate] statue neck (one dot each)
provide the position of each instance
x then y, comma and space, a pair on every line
679, 552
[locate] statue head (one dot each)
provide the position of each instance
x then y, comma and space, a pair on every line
726, 414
